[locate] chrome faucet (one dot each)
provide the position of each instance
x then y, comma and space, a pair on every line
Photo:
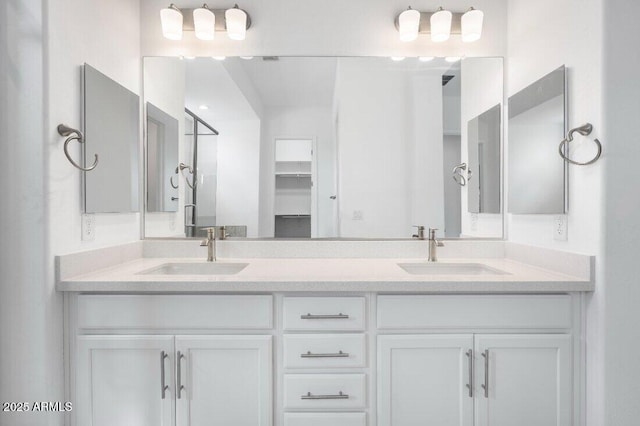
433, 245
210, 242
420, 234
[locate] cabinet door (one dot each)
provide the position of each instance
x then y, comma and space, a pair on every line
120, 381
226, 380
528, 379
422, 380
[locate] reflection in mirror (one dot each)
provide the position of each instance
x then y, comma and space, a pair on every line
112, 131
319, 147
537, 174
483, 169
162, 160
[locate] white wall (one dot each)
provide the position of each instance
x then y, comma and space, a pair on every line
238, 174
164, 86
389, 148
542, 36
30, 310
621, 110
106, 36
482, 89
48, 42
304, 123
355, 27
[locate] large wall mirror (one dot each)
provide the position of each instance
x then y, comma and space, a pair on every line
327, 147
537, 124
112, 132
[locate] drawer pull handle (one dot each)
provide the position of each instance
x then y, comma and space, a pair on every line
310, 316
163, 386
179, 385
485, 385
336, 355
470, 384
338, 396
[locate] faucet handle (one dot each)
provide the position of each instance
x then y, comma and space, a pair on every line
420, 234
432, 233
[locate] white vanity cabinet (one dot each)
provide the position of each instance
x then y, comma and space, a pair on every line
348, 359
162, 377
440, 379
119, 380
523, 380
423, 379
223, 380
480, 378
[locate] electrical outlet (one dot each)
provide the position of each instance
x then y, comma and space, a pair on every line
474, 222
560, 228
88, 227
357, 215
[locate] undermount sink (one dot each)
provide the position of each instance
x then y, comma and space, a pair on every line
437, 268
212, 268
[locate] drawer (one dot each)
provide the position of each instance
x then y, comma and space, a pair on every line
324, 313
157, 312
475, 312
324, 350
324, 391
325, 419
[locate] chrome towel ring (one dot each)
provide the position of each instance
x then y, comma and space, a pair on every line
69, 133
584, 130
180, 169
458, 175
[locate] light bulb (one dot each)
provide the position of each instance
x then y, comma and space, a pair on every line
397, 58
426, 58
219, 58
472, 25
204, 22
171, 20
409, 25
236, 20
452, 59
441, 25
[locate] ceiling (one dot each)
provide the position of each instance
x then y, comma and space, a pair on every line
239, 89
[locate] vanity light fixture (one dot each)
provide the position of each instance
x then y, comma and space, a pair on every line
452, 59
246, 58
440, 24
203, 22
471, 23
397, 58
219, 58
426, 58
171, 19
236, 19
409, 24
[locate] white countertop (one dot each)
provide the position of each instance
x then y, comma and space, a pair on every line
324, 275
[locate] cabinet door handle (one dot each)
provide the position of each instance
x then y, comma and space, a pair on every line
485, 385
163, 385
470, 384
311, 317
340, 395
340, 354
179, 386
